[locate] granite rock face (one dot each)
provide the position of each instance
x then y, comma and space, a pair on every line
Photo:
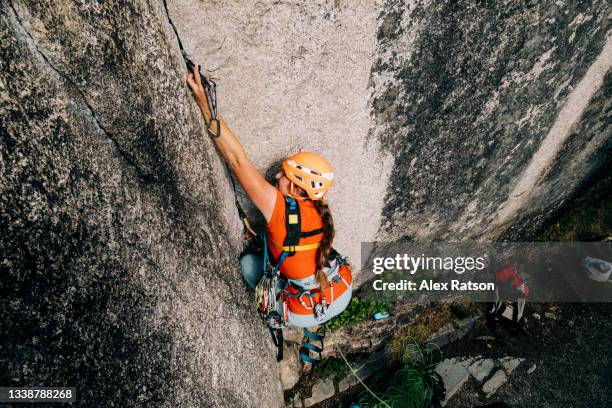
118, 235
495, 113
442, 119
117, 251
294, 75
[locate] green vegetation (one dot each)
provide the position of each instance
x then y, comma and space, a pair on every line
357, 311
332, 367
589, 223
428, 323
412, 386
424, 326
462, 309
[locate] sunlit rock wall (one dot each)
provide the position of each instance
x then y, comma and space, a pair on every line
443, 120
294, 75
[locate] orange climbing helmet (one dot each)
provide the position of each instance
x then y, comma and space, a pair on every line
311, 172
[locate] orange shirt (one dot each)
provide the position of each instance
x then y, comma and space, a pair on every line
303, 263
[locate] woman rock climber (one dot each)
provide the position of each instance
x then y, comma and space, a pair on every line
315, 281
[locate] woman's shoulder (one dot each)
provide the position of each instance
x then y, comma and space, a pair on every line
278, 214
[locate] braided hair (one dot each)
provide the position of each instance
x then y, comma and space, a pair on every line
326, 243
328, 235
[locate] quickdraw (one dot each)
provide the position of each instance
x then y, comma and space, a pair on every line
211, 95
269, 300
267, 297
209, 85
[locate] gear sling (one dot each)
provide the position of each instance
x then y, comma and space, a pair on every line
283, 301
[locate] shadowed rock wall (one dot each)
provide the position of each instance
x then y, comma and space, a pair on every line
119, 272
477, 100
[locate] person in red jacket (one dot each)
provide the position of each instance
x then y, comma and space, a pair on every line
317, 281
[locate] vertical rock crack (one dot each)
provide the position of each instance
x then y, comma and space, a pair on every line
126, 156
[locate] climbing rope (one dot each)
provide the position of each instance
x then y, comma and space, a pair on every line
209, 85
418, 388
355, 373
247, 232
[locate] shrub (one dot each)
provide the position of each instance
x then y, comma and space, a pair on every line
357, 311
414, 385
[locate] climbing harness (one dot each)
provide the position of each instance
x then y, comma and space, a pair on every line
275, 292
310, 297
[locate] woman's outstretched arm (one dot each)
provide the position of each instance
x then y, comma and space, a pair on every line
262, 193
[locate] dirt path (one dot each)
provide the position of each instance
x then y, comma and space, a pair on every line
573, 358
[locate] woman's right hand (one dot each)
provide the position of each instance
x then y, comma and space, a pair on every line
199, 93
